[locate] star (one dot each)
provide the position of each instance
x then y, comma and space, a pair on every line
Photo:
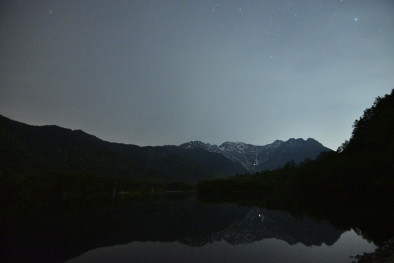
355, 19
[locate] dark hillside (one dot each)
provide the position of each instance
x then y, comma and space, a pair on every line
372, 142
362, 166
37, 150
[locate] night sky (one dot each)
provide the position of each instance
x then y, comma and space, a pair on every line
167, 72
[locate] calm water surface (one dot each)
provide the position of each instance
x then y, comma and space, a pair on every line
266, 250
187, 230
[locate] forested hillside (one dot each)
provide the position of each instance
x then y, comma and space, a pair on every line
363, 165
60, 159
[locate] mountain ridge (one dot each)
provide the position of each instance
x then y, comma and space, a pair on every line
257, 158
50, 149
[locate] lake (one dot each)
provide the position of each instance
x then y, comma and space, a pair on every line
168, 229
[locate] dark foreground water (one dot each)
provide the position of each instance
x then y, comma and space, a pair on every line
168, 230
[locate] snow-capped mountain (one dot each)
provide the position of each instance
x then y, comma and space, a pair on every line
258, 158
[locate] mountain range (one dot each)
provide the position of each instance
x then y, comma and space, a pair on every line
47, 150
29, 150
268, 157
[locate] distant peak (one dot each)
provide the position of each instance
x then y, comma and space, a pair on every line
232, 143
194, 143
277, 142
313, 141
295, 140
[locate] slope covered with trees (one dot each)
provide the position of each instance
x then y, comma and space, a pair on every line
61, 159
362, 166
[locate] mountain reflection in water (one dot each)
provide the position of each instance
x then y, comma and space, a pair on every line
178, 231
266, 250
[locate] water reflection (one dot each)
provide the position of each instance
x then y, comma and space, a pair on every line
266, 250
177, 231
